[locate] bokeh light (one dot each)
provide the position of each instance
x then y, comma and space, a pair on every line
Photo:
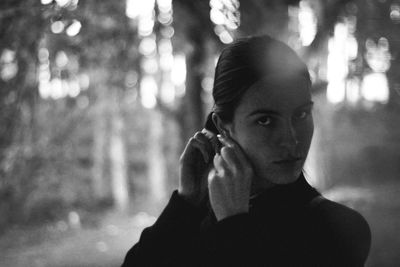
148, 91
74, 28
395, 12
226, 17
8, 65
57, 27
307, 23
178, 73
375, 87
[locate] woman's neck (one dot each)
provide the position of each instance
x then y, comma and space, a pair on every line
260, 185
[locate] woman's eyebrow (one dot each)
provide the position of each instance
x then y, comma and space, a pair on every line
306, 105
264, 111
274, 112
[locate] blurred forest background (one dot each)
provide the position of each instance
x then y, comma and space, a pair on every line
97, 99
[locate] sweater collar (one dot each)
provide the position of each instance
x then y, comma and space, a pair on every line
297, 193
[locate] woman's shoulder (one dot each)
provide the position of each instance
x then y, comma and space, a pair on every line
346, 228
337, 214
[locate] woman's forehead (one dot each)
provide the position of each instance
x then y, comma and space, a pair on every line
277, 94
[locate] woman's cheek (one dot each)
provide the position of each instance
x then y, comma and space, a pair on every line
261, 149
306, 134
257, 143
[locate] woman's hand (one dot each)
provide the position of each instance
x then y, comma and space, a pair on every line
195, 165
229, 186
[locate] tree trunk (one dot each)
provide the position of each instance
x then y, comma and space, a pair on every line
99, 147
156, 161
119, 177
193, 103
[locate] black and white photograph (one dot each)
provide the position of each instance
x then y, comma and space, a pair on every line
199, 133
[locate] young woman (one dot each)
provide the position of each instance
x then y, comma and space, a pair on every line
243, 199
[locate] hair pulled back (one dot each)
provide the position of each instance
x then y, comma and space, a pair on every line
243, 63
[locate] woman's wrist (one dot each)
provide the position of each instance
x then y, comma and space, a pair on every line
224, 215
192, 200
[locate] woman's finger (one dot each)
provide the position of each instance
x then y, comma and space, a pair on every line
229, 156
226, 141
221, 166
212, 137
230, 143
192, 146
219, 169
203, 139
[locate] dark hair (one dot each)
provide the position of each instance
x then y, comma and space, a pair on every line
243, 63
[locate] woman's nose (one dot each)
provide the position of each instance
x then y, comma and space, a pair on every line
288, 138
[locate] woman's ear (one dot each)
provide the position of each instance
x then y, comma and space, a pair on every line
223, 128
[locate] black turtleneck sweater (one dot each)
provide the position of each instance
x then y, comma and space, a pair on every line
287, 225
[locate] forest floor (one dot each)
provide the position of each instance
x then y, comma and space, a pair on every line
62, 245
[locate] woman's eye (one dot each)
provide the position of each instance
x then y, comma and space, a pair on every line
264, 121
302, 114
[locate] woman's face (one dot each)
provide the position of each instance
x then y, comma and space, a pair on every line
273, 124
